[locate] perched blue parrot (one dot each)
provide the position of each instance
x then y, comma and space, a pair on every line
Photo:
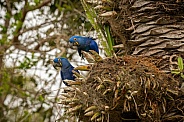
66, 69
84, 44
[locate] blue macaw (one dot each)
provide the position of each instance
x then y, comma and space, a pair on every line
66, 69
84, 44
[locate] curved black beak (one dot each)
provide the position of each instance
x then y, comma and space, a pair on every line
56, 65
76, 43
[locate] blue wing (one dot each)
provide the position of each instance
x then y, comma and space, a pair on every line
66, 75
93, 46
72, 74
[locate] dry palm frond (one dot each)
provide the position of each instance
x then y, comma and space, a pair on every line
121, 86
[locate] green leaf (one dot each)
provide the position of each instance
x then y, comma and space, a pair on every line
59, 7
8, 15
18, 16
109, 38
36, 1
175, 72
66, 6
27, 63
4, 29
32, 56
92, 17
182, 75
41, 98
18, 27
24, 94
180, 63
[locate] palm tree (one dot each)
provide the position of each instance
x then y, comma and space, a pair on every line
138, 85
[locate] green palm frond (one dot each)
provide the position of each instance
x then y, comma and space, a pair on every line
92, 16
110, 40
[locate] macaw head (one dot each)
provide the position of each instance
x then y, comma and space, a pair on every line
76, 40
61, 62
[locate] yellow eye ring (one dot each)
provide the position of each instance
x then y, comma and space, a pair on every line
75, 39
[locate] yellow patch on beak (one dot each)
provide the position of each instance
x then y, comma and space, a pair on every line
75, 43
59, 61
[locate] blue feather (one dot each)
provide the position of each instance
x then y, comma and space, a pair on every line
66, 69
84, 44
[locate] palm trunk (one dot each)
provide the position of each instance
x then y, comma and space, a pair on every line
134, 87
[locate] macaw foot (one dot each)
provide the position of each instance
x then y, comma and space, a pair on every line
96, 56
88, 57
71, 82
77, 75
92, 56
68, 89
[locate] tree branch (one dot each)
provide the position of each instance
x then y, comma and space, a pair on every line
38, 26
26, 9
7, 21
31, 8
8, 6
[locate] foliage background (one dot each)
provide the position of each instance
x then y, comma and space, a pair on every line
32, 34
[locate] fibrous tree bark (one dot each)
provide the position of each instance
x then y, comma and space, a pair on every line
136, 84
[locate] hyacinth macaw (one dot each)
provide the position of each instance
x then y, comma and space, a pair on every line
84, 44
66, 69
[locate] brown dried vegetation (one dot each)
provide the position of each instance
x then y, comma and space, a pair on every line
126, 89
139, 87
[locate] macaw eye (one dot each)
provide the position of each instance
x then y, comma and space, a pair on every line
75, 39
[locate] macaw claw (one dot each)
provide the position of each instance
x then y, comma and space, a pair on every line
88, 57
76, 74
96, 56
71, 82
